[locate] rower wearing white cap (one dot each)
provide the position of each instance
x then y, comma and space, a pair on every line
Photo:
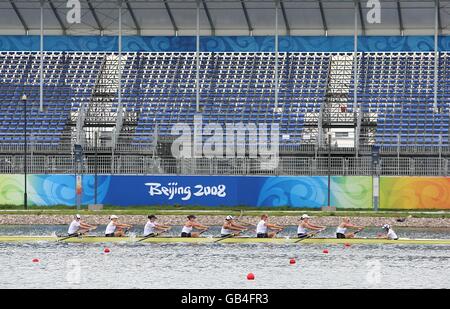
78, 227
116, 229
389, 233
230, 228
304, 225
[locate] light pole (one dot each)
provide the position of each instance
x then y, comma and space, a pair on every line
25, 165
329, 169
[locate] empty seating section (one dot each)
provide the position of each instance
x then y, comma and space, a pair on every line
396, 90
81, 73
20, 74
234, 88
164, 92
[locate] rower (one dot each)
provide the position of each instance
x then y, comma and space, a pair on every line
263, 226
192, 224
305, 225
116, 229
341, 231
152, 228
390, 233
230, 228
78, 227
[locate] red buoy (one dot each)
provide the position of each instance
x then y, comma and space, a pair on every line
35, 260
347, 245
325, 251
250, 276
107, 250
292, 261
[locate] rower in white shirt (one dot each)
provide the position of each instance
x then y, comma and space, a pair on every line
305, 226
341, 231
230, 228
190, 225
152, 228
263, 227
116, 229
78, 227
389, 233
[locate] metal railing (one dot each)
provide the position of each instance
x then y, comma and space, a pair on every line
144, 144
288, 166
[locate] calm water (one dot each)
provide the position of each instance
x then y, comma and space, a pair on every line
223, 265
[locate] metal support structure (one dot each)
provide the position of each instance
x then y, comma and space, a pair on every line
355, 60
356, 107
133, 17
172, 19
57, 16
286, 20
361, 18
324, 20
120, 58
400, 18
94, 14
208, 15
41, 66
25, 154
436, 57
20, 17
120, 109
96, 168
197, 59
329, 170
247, 18
277, 3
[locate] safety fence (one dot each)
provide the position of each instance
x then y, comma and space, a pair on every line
287, 166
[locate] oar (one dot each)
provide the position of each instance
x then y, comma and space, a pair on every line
358, 231
309, 236
277, 232
401, 220
243, 222
226, 237
200, 233
151, 236
76, 235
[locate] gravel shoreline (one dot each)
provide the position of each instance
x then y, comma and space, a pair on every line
218, 220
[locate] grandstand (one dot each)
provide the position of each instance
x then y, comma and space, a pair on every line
335, 106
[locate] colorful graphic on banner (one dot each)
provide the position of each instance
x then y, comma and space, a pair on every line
299, 192
11, 189
414, 193
352, 192
214, 191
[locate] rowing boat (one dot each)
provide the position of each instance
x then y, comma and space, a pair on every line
233, 240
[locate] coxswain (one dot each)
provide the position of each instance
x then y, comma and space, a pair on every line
389, 233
